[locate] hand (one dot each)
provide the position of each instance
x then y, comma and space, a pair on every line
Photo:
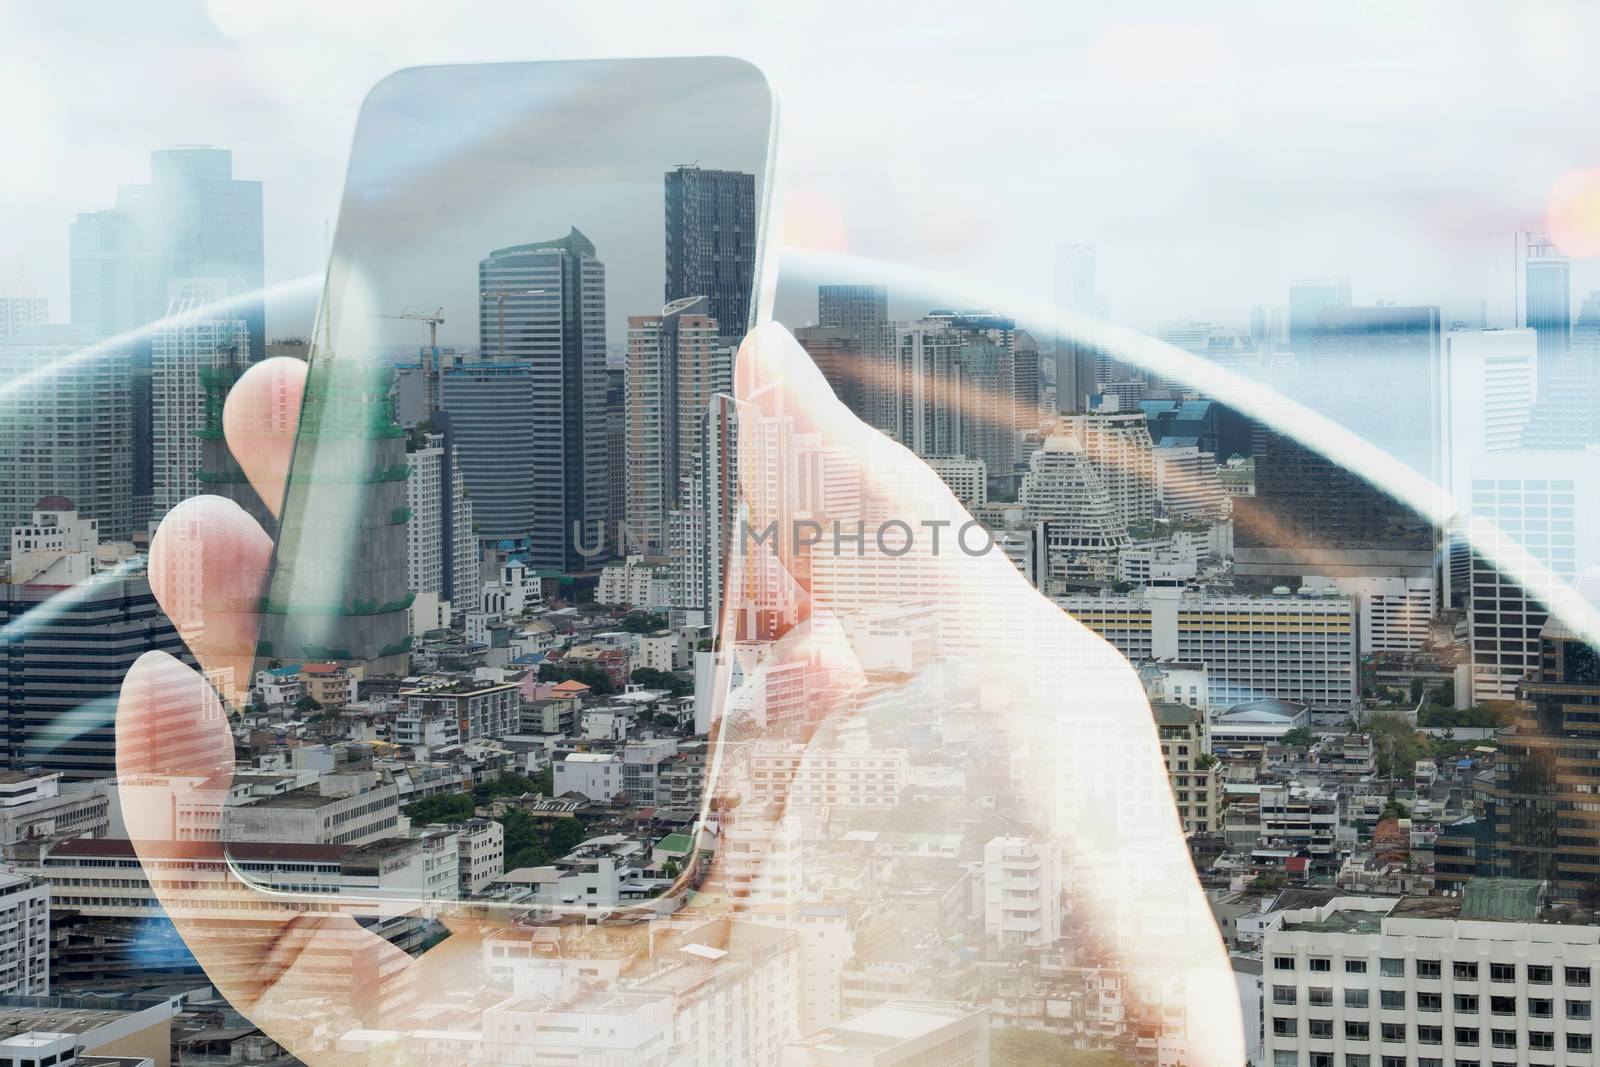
1061, 729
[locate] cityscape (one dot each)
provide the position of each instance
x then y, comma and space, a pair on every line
645, 683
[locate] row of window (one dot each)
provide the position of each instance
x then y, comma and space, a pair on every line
1464, 1003
1461, 971
1289, 1058
1463, 1036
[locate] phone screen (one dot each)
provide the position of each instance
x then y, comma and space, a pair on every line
539, 277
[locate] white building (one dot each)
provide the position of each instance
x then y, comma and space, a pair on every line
1021, 892
1084, 526
56, 548
815, 776
1299, 648
338, 810
635, 583
596, 775
183, 344
1395, 609
968, 479
472, 711
1118, 445
1488, 977
33, 806
1186, 483
24, 936
482, 851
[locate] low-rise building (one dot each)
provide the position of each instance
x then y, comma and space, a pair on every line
1191, 771
32, 806
24, 936
479, 709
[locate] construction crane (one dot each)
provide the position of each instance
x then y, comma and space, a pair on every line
500, 304
434, 317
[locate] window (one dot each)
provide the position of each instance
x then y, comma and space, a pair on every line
1392, 968
1504, 1038
1502, 1005
1285, 1027
1539, 974
1541, 1040
1394, 1032
1320, 1028
1283, 963
1323, 965
1285, 1057
1466, 1035
1283, 994
1355, 998
1322, 1059
1427, 1061
1357, 1059
1392, 999
1428, 969
1502, 972
1465, 972
1320, 997
1355, 966
1430, 1002
1357, 1031
1541, 1009
1579, 1009
1430, 1035
1394, 1061
1466, 1004
1580, 1043
1577, 976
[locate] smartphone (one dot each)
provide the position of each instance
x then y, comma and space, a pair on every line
520, 251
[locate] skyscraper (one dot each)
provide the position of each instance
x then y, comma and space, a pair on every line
1077, 358
187, 340
675, 366
862, 312
1548, 285
543, 310
20, 304
66, 427
192, 223
711, 242
928, 390
1308, 299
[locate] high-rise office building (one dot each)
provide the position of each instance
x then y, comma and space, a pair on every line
488, 404
66, 427
862, 312
1545, 825
1078, 361
187, 339
441, 550
1118, 444
193, 223
543, 309
1308, 300
711, 242
1548, 302
675, 366
1567, 414
20, 304
928, 390
839, 356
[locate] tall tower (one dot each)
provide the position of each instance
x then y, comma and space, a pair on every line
339, 584
1308, 300
187, 340
543, 313
1548, 284
66, 428
862, 313
928, 390
675, 366
711, 242
1078, 365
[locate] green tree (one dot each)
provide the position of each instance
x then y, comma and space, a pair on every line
513, 785
308, 703
651, 678
441, 807
1300, 737
643, 622
598, 681
1417, 687
1395, 744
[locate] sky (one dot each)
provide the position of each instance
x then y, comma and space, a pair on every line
1212, 158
